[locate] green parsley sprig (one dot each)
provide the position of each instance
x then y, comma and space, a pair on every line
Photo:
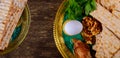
78, 8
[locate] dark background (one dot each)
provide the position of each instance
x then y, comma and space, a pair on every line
39, 42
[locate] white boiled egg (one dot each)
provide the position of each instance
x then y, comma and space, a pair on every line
72, 27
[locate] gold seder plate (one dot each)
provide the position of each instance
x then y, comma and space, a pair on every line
57, 31
24, 30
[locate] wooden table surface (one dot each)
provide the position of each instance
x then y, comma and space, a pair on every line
39, 42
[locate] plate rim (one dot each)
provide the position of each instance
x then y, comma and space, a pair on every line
15, 43
59, 41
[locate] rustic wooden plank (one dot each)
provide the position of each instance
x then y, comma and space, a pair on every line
39, 42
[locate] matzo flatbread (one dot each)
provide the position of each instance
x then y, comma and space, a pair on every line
107, 19
10, 12
107, 44
112, 6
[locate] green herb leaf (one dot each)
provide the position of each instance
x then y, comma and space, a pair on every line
93, 4
87, 9
78, 8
